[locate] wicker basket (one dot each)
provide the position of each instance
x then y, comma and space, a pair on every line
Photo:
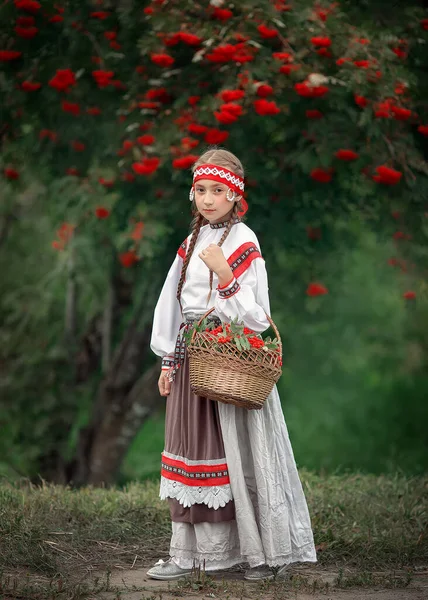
244, 378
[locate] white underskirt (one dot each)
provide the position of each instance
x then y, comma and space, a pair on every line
218, 545
215, 543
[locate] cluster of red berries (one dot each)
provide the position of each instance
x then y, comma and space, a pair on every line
223, 335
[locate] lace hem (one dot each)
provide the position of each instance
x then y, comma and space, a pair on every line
220, 560
304, 553
213, 496
213, 562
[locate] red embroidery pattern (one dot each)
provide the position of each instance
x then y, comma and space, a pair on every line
241, 259
234, 289
182, 249
195, 475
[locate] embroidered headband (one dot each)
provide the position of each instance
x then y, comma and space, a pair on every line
222, 175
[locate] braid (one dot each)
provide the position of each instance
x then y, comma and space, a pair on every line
196, 225
229, 226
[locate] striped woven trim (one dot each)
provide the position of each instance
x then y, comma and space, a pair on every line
223, 224
230, 290
167, 362
199, 474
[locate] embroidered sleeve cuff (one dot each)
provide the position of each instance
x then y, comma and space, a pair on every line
229, 290
167, 362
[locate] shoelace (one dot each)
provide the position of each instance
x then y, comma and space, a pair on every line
160, 562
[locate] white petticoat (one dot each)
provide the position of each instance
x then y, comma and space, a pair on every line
214, 544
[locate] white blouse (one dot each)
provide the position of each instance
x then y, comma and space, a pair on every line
245, 297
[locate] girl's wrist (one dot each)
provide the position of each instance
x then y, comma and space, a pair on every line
225, 276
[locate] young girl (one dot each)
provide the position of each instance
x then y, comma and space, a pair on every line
228, 473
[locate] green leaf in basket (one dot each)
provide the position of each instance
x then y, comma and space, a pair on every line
238, 343
234, 327
245, 343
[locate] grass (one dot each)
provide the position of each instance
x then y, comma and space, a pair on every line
51, 529
365, 522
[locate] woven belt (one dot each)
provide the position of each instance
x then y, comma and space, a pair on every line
180, 343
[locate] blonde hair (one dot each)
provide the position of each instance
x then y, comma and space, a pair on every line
221, 158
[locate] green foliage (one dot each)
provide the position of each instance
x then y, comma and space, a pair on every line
354, 366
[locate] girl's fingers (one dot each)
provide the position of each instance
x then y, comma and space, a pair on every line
167, 384
164, 385
161, 385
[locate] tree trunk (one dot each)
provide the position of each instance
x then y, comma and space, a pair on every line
104, 443
127, 394
70, 322
124, 401
107, 329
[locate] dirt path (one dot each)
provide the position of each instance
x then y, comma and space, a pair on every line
304, 582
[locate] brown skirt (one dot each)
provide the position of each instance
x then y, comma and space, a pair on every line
193, 433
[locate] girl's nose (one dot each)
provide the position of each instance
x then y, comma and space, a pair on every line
209, 199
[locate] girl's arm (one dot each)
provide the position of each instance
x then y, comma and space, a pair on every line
246, 297
167, 316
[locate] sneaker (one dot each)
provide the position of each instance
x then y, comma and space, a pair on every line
167, 570
260, 573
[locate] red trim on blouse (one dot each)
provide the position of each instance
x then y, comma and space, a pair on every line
247, 253
182, 249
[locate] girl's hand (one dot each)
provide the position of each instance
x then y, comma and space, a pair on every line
214, 258
163, 384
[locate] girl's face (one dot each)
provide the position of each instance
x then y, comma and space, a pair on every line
211, 201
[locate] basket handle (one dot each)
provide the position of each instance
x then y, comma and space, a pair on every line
211, 310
